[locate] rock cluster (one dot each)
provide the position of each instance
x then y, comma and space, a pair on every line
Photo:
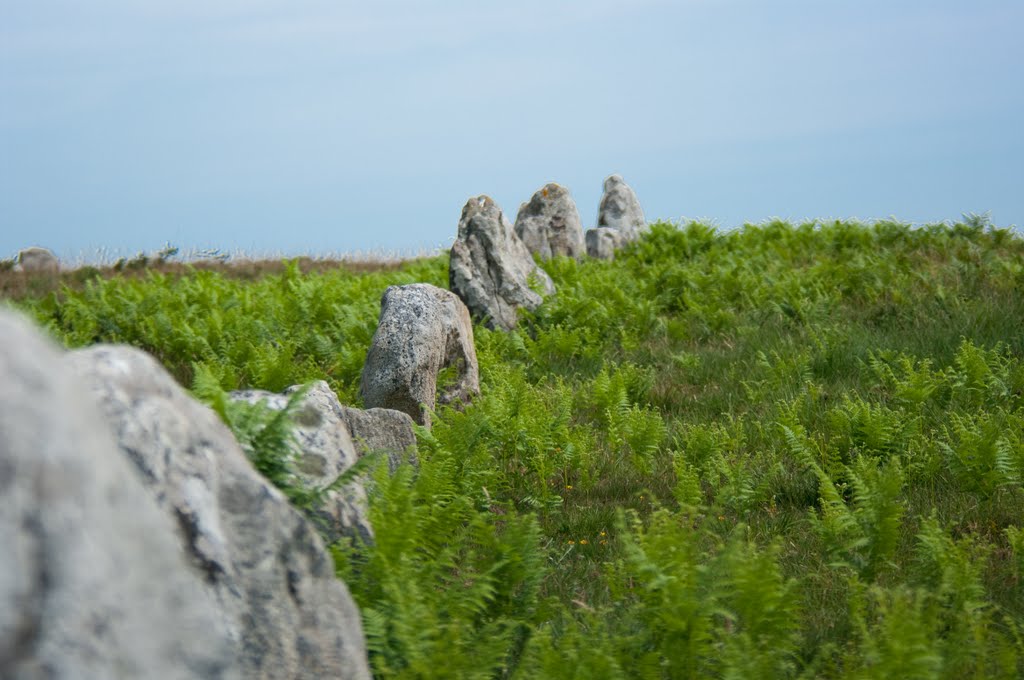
490, 267
422, 331
140, 541
549, 224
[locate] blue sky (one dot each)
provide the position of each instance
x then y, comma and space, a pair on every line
325, 126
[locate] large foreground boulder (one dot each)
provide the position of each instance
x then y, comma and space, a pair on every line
38, 260
93, 580
422, 331
261, 561
490, 267
620, 209
549, 224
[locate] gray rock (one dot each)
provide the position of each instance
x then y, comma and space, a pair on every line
620, 209
549, 224
38, 260
327, 451
491, 269
382, 430
422, 331
93, 581
258, 557
602, 242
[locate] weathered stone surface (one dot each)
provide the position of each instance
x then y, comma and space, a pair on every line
620, 209
382, 430
549, 224
422, 330
93, 581
262, 561
602, 242
327, 451
490, 267
38, 260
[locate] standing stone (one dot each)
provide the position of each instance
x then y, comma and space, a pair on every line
549, 225
490, 267
258, 557
602, 242
38, 260
326, 451
422, 331
93, 580
620, 209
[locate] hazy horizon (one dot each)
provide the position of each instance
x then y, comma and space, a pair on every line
332, 127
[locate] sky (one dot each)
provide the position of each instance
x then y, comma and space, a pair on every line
325, 127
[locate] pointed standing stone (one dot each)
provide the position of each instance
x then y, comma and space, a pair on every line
491, 269
620, 209
549, 224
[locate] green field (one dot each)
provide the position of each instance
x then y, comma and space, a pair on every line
779, 451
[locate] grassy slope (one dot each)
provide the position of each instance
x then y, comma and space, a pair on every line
780, 450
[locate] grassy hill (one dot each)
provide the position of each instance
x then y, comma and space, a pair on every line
774, 452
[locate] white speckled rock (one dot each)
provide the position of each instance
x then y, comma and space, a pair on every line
620, 209
327, 449
549, 224
422, 331
490, 267
94, 583
258, 557
602, 242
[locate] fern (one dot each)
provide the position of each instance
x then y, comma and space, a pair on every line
984, 453
897, 636
1015, 537
445, 587
637, 433
861, 534
266, 436
965, 624
728, 611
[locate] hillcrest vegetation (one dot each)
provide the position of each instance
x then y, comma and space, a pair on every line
780, 451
